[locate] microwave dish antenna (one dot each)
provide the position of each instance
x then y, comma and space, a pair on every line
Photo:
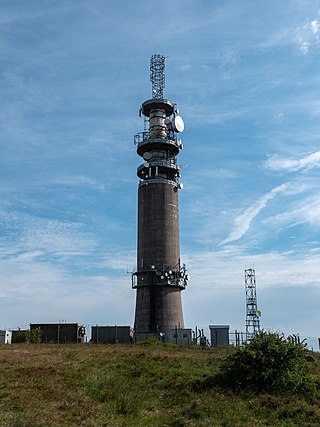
178, 124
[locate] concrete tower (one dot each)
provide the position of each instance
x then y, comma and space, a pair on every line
160, 277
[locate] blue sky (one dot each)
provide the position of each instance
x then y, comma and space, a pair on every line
245, 76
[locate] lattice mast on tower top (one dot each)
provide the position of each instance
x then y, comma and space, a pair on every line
252, 312
157, 76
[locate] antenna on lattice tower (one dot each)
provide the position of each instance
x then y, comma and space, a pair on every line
157, 78
252, 313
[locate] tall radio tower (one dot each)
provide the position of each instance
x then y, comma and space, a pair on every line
160, 276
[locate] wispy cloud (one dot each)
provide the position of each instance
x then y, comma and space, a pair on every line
277, 163
243, 221
306, 211
79, 181
26, 236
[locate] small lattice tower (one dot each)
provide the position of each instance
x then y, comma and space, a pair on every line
253, 314
157, 76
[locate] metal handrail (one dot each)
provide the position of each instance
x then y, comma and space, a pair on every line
165, 163
142, 138
158, 180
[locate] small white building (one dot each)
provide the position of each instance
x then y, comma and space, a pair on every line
5, 337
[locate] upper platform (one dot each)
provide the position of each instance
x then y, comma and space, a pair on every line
157, 104
145, 143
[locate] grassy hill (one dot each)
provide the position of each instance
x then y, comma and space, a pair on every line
138, 385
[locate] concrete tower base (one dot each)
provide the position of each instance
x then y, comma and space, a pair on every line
158, 309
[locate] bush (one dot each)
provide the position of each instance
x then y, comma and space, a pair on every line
268, 363
32, 336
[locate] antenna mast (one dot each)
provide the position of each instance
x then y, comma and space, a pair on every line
253, 314
157, 78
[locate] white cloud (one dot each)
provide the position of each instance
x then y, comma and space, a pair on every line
277, 163
304, 47
216, 291
227, 264
243, 221
308, 36
42, 292
315, 26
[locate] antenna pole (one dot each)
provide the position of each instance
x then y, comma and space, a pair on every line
157, 78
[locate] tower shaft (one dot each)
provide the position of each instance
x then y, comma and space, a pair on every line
158, 305
158, 225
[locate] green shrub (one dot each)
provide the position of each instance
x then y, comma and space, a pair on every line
32, 336
268, 363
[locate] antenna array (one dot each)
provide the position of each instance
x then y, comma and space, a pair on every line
157, 65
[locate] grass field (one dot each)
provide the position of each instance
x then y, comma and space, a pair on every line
138, 385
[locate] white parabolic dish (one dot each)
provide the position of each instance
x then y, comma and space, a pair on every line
178, 124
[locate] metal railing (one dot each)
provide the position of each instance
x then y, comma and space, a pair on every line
142, 138
158, 180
